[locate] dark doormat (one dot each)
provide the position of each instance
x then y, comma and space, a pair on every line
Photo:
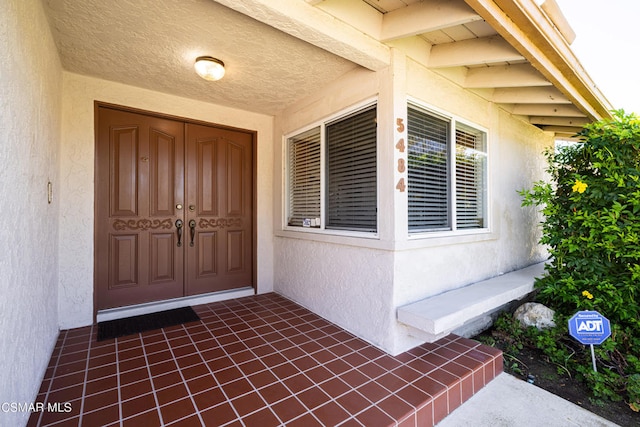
146, 322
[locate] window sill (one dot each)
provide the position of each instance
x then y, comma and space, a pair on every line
373, 240
348, 238
443, 238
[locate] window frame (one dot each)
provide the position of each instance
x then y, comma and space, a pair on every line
322, 125
455, 123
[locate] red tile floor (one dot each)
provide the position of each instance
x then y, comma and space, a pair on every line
256, 361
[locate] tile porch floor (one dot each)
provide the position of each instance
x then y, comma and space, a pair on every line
257, 361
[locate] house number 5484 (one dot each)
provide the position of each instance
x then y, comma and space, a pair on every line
401, 186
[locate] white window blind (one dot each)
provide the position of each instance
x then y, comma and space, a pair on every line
351, 196
445, 192
470, 178
304, 177
428, 172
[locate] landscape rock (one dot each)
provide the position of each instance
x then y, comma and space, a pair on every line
535, 314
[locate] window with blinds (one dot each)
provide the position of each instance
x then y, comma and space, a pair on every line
471, 155
351, 172
447, 179
347, 178
428, 172
304, 178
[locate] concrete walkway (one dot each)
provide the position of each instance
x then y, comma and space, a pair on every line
509, 402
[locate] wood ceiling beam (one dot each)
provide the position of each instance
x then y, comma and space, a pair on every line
519, 75
559, 121
486, 50
526, 27
529, 95
355, 13
312, 25
551, 110
424, 17
562, 131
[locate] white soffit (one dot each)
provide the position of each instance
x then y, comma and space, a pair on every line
153, 44
515, 47
279, 51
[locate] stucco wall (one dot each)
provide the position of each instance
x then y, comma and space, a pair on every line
347, 285
427, 266
515, 161
348, 280
358, 283
30, 79
77, 180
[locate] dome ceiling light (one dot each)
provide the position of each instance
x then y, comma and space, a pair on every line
209, 68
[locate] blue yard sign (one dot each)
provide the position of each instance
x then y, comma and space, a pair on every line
590, 328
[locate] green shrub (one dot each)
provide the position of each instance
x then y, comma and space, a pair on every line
591, 208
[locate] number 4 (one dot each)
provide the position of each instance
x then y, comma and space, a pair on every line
400, 145
401, 185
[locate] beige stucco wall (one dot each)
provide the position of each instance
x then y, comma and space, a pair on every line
30, 80
515, 162
358, 283
348, 280
427, 266
77, 180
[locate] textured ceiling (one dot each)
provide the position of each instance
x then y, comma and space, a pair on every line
153, 44
510, 52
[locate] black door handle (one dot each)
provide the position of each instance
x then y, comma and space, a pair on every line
179, 224
192, 227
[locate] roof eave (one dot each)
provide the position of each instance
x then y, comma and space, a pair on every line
525, 26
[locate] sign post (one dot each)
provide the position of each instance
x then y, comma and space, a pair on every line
590, 327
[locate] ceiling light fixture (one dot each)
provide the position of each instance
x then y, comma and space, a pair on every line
209, 68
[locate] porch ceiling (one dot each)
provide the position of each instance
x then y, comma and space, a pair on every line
511, 52
153, 44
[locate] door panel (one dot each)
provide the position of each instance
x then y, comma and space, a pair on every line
162, 262
206, 201
124, 250
206, 253
235, 179
224, 169
152, 172
123, 152
235, 251
163, 181
139, 176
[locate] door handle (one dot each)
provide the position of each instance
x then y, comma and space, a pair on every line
179, 224
192, 228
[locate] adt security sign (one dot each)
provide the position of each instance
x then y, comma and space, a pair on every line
589, 327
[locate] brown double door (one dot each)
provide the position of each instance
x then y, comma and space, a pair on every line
174, 208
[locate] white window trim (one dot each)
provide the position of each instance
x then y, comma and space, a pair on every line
454, 120
322, 123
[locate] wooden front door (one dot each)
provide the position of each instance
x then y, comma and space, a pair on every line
174, 208
219, 215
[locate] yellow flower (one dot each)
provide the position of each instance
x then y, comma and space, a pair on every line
579, 186
587, 294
